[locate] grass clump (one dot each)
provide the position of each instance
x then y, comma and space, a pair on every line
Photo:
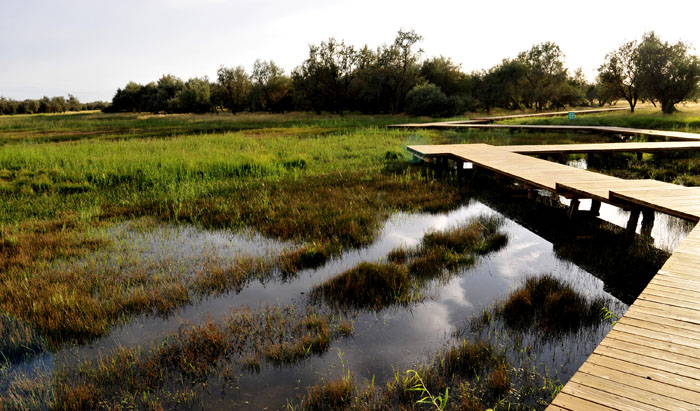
399, 280
474, 374
18, 341
370, 285
550, 306
307, 256
330, 395
158, 376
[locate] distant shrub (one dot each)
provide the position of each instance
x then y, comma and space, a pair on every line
429, 100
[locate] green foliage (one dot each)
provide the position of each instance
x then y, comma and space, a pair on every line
194, 97
233, 88
323, 81
428, 100
545, 81
500, 86
620, 73
668, 73
271, 88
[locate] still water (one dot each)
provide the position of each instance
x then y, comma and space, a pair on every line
395, 338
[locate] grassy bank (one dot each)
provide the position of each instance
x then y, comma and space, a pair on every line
645, 116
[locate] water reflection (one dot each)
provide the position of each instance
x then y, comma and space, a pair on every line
383, 341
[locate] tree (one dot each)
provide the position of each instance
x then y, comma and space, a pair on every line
167, 87
620, 72
194, 97
545, 74
126, 99
270, 86
385, 77
323, 80
667, 72
428, 100
400, 61
501, 85
235, 87
447, 75
73, 104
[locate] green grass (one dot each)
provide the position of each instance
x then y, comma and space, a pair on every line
645, 117
80, 126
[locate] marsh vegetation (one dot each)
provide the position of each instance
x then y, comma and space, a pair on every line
187, 261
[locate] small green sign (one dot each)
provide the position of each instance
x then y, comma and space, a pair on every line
572, 115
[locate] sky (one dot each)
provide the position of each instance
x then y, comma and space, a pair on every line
91, 48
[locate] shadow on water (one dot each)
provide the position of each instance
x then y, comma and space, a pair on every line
597, 258
625, 261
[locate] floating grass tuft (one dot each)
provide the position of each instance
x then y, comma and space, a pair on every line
400, 279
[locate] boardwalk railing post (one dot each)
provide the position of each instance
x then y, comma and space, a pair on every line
595, 208
634, 219
573, 207
647, 222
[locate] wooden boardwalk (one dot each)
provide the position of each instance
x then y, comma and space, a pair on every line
552, 114
625, 131
650, 360
605, 148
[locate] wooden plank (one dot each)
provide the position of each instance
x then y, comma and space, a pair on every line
605, 399
644, 371
570, 402
660, 324
678, 313
673, 359
670, 302
654, 343
655, 363
609, 381
653, 321
657, 335
678, 135
668, 395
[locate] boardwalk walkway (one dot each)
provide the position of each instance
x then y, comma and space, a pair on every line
650, 360
625, 131
552, 114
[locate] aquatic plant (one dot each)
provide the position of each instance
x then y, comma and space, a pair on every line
182, 364
400, 279
550, 306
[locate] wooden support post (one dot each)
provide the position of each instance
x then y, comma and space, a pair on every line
634, 219
573, 208
531, 194
647, 222
640, 155
595, 208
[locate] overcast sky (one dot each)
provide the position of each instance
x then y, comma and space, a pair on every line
91, 48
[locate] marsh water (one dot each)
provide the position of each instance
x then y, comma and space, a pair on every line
394, 338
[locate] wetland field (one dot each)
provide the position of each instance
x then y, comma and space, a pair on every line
303, 262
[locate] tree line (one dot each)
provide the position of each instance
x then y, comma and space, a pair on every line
395, 78
47, 105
